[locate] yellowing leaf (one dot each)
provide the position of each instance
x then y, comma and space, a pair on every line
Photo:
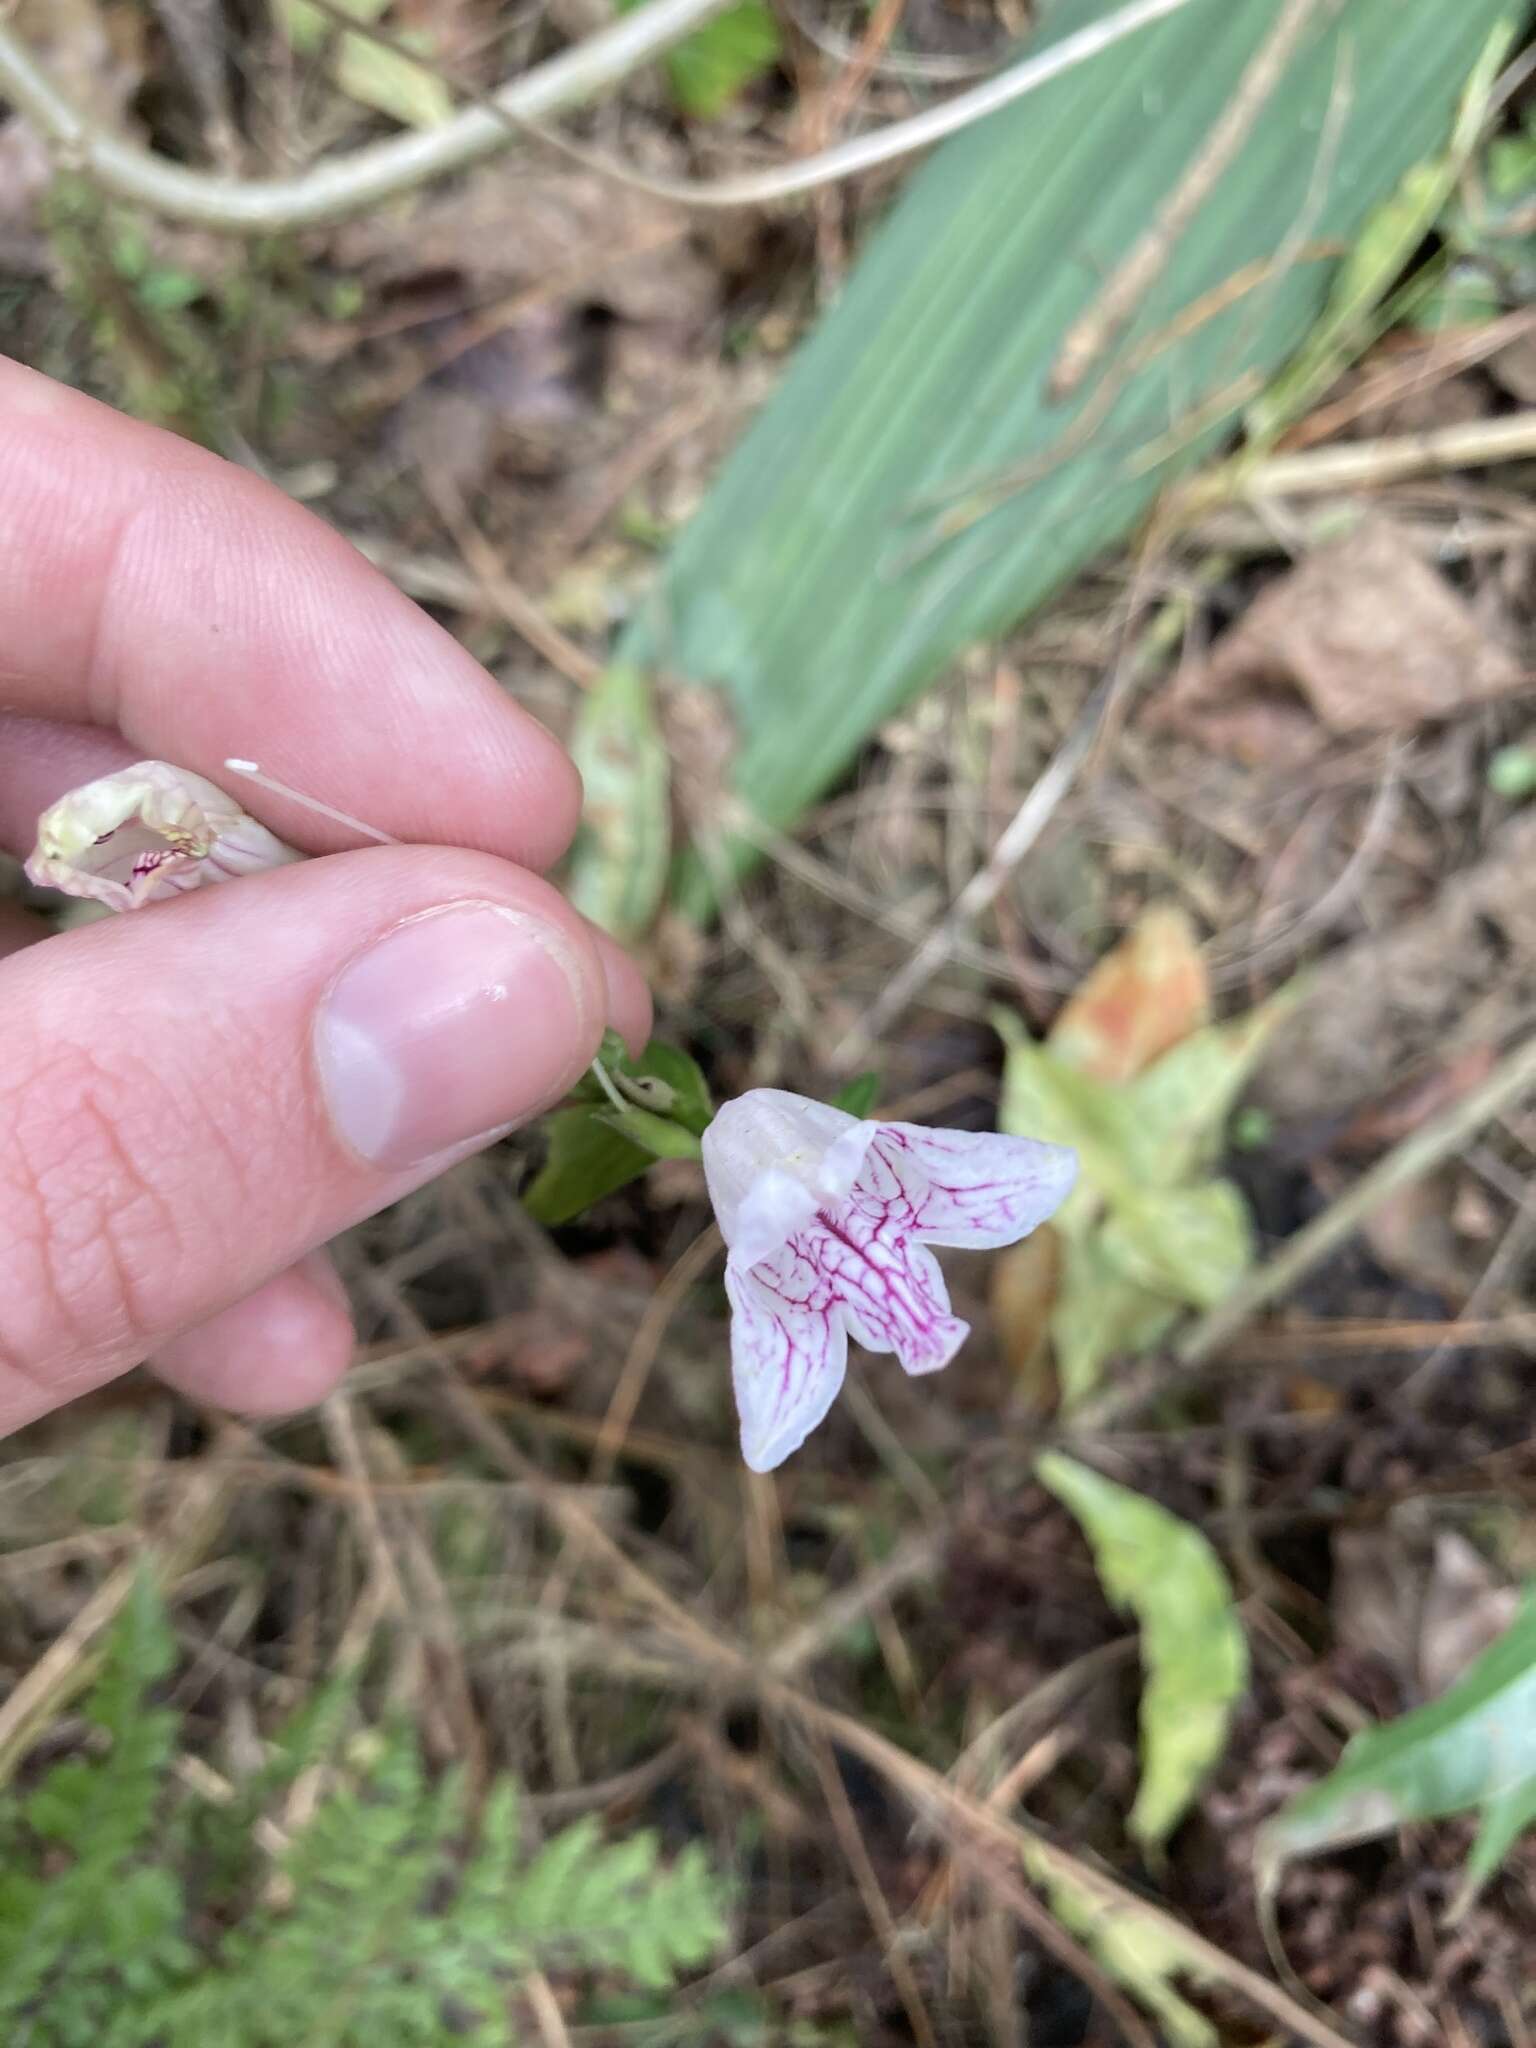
1182, 1102
1193, 1244
390, 83
1473, 1748
1100, 1314
1142, 998
1139, 1948
1043, 1097
1192, 1648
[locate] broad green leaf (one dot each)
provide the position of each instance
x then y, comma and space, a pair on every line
1193, 1651
1191, 1244
619, 863
1044, 1097
585, 1162
1101, 1314
1471, 1750
1139, 1948
1183, 1101
913, 487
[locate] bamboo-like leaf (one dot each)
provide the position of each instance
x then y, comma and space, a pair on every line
1192, 1647
912, 487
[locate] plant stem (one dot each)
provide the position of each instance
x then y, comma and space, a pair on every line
351, 184
1363, 465
347, 184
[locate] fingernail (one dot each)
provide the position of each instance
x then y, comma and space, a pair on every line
453, 1026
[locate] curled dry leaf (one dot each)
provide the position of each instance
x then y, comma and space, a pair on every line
1363, 634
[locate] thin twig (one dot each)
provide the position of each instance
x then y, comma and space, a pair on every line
1364, 465
352, 184
1021, 833
1097, 330
365, 178
856, 1853
628, 1389
69, 1663
506, 597
995, 1842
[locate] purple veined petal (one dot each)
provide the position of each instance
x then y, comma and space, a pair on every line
888, 1285
774, 1207
975, 1189
789, 1353
771, 1159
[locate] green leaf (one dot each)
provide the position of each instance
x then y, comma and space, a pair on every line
390, 83
595, 1148
1512, 773
858, 1096
657, 1135
619, 864
708, 69
1140, 1948
1190, 1244
1473, 1749
1100, 1314
1386, 241
664, 1079
1183, 1100
1192, 1647
587, 1160
912, 487
1044, 1097
691, 1102
370, 72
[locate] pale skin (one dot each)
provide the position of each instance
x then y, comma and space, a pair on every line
172, 1161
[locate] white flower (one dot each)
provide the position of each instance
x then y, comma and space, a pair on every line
148, 831
827, 1220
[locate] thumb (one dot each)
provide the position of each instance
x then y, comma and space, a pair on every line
195, 1096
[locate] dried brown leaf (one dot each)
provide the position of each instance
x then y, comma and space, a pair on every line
1363, 634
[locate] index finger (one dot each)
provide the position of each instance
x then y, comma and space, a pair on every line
148, 585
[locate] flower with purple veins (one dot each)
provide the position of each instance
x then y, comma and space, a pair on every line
827, 1220
148, 831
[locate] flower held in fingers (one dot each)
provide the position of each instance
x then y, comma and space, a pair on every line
145, 832
828, 1219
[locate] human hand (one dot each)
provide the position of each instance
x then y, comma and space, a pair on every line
195, 1097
